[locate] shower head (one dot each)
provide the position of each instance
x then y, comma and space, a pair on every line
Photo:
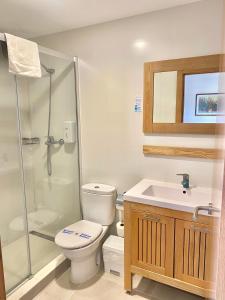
48, 70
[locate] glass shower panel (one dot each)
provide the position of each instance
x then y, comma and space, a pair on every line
52, 200
13, 231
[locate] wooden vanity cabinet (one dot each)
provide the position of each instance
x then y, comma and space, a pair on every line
167, 246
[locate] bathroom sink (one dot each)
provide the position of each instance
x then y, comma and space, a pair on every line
165, 192
172, 196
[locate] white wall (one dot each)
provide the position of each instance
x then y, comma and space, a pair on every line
111, 76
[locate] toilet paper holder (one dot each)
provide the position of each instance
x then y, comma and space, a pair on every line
120, 229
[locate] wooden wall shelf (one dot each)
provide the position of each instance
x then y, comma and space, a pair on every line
181, 151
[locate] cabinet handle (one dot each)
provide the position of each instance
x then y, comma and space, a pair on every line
151, 218
200, 229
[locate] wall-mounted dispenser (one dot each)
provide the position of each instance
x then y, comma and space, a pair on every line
69, 132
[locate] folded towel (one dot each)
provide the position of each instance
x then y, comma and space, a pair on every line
23, 56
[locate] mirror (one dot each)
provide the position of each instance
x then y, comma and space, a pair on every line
183, 96
203, 102
165, 88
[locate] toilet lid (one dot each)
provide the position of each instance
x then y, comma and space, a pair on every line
78, 235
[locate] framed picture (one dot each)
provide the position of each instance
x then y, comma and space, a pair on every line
211, 104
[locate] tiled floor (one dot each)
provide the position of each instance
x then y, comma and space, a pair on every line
110, 287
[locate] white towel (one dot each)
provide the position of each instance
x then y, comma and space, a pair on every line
23, 56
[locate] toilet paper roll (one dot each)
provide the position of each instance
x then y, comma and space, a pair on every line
120, 210
120, 229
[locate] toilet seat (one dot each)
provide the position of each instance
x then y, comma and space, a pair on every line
78, 235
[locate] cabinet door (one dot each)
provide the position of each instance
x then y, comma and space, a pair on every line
153, 242
195, 252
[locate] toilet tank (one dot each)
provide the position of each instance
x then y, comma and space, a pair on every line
98, 203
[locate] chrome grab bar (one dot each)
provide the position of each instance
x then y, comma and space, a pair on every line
30, 141
210, 208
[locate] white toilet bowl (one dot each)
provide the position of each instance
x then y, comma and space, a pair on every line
85, 258
82, 241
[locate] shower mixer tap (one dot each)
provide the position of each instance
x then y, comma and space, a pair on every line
51, 141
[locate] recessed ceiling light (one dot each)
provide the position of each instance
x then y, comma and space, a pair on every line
140, 44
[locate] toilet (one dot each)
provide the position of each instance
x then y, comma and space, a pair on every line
81, 242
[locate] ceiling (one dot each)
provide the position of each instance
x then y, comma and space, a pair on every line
32, 18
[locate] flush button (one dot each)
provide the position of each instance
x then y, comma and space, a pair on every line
97, 187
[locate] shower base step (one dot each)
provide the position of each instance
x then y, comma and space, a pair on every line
43, 236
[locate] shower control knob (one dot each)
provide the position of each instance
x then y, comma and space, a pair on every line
61, 141
51, 141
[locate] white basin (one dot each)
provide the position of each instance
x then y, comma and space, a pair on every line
173, 196
158, 191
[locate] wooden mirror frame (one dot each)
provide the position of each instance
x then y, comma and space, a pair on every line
183, 66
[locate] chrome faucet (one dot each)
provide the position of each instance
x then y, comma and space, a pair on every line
210, 208
185, 182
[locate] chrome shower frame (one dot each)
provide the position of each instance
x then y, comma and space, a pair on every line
57, 54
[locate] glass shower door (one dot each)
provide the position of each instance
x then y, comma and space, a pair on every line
51, 165
13, 225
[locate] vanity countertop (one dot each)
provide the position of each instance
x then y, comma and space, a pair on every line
173, 196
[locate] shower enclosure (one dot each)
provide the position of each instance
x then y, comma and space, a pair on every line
39, 170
